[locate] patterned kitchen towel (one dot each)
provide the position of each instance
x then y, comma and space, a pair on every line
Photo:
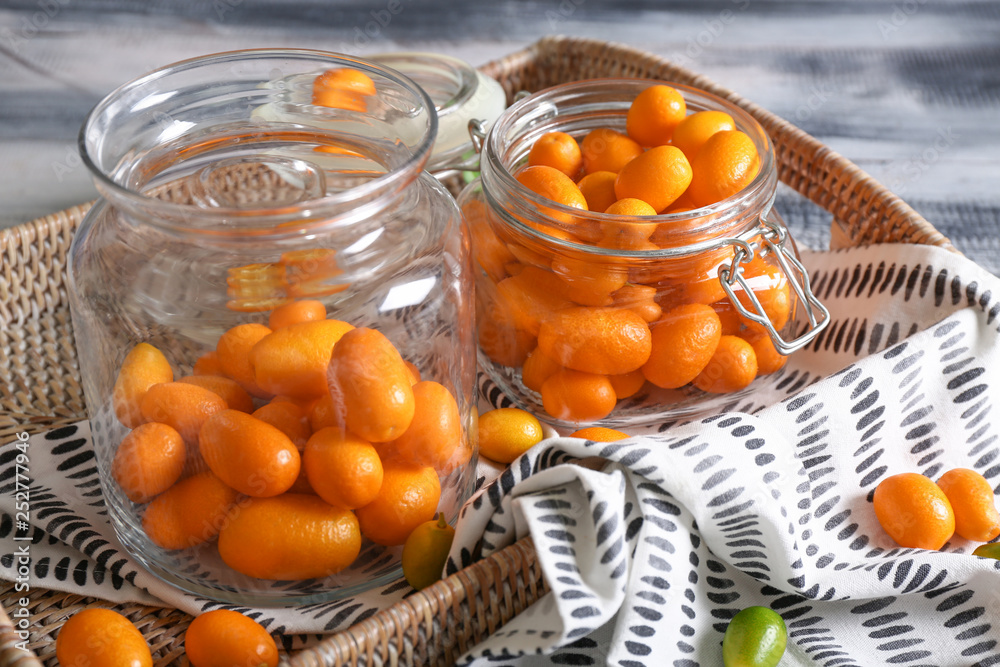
649, 555
764, 502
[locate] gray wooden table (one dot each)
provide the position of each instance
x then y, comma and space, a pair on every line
908, 89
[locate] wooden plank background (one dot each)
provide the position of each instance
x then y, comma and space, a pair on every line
908, 89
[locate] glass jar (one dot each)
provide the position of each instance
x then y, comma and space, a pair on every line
548, 291
234, 185
466, 100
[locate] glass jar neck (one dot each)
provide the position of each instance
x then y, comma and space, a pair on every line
235, 144
578, 108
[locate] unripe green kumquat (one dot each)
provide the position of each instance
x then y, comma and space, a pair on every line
426, 552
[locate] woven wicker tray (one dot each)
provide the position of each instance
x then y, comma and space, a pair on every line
41, 384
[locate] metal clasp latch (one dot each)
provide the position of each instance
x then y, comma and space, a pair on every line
477, 133
470, 160
774, 238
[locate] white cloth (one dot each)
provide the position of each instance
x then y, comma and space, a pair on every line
650, 554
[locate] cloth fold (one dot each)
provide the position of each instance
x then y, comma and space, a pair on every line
650, 545
650, 556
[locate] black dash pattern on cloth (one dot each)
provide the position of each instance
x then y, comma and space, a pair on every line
772, 506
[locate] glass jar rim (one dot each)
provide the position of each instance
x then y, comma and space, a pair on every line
758, 194
463, 73
328, 207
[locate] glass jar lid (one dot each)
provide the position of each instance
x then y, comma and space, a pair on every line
460, 94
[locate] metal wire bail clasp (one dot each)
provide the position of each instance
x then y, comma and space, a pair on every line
774, 238
477, 134
470, 161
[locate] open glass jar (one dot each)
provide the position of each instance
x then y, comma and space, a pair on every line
550, 293
259, 210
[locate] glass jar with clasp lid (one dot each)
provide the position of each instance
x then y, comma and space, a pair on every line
582, 331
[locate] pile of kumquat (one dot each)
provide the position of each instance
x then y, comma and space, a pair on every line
588, 330
916, 512
289, 443
101, 637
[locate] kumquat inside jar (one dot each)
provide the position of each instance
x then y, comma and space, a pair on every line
273, 315
629, 265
